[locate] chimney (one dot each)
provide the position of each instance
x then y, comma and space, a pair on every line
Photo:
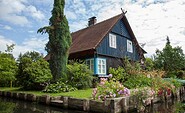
92, 21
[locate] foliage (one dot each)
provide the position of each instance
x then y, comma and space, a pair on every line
169, 59
181, 74
164, 87
59, 87
171, 74
59, 40
179, 107
79, 75
33, 71
119, 73
153, 73
149, 64
143, 97
109, 89
7, 107
8, 66
137, 81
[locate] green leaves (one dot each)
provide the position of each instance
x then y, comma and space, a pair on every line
59, 40
33, 71
8, 67
79, 75
170, 59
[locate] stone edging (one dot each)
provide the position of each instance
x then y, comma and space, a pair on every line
112, 105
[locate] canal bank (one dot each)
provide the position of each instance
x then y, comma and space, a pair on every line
112, 105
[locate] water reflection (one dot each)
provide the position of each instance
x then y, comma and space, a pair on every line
15, 106
27, 107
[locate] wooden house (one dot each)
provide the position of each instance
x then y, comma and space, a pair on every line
104, 44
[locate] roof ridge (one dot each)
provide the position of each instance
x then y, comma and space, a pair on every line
97, 23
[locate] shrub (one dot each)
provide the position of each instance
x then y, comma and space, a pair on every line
118, 73
58, 87
181, 74
33, 71
137, 81
109, 89
79, 75
171, 74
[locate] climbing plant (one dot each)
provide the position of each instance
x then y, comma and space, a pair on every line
59, 40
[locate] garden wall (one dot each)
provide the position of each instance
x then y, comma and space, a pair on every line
112, 105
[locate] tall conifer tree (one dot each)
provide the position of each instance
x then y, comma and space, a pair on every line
59, 40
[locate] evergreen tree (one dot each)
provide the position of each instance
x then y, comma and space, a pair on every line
170, 59
59, 40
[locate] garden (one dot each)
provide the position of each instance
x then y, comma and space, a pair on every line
30, 73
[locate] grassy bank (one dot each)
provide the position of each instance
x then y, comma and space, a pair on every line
77, 94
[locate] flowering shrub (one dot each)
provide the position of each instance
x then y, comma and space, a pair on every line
165, 89
109, 89
145, 95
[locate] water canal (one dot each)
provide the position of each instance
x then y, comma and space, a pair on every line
8, 105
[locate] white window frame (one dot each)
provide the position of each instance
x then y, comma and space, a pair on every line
112, 41
101, 66
91, 65
129, 46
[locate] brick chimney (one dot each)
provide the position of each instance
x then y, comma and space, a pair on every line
92, 21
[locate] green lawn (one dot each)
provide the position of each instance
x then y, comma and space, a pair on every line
77, 94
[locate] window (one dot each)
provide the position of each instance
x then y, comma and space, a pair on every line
90, 64
112, 40
101, 66
129, 46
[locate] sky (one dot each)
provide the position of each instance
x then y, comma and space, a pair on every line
151, 21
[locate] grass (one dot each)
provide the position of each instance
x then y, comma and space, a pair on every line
86, 94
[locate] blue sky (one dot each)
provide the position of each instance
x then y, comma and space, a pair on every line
151, 21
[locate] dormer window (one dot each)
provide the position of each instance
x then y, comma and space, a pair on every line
129, 46
112, 40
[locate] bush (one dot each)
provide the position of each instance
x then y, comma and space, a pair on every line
119, 74
137, 81
181, 74
109, 89
171, 74
59, 87
79, 75
33, 72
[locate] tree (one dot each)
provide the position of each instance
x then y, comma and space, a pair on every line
8, 66
59, 40
169, 59
33, 72
149, 63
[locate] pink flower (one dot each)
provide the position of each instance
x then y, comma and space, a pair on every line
110, 75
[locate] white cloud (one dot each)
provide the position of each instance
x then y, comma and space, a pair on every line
70, 15
35, 13
33, 44
4, 42
7, 27
152, 23
11, 11
18, 13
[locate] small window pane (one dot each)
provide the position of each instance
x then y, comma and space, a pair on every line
129, 46
112, 40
